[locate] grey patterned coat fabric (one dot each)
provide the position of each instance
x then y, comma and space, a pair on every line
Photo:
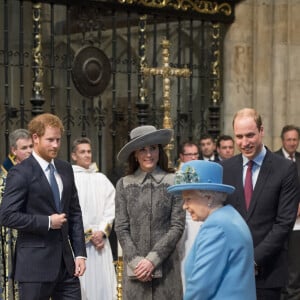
149, 222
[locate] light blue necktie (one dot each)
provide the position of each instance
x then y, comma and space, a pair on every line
54, 187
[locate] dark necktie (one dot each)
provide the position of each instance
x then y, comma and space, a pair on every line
248, 188
291, 157
54, 187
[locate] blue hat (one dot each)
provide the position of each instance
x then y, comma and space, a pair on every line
200, 175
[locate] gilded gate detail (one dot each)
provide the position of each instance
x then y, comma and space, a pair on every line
39, 42
89, 64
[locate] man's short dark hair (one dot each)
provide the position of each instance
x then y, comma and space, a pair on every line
223, 137
206, 136
185, 144
287, 128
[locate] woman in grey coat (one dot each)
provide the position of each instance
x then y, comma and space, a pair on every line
149, 221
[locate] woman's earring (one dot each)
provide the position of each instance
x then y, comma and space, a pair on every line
209, 204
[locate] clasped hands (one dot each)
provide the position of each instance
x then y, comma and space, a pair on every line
143, 270
98, 240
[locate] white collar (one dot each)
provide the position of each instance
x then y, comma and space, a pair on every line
42, 162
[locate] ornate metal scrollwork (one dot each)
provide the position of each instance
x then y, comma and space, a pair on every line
37, 99
142, 103
214, 108
200, 6
216, 64
119, 271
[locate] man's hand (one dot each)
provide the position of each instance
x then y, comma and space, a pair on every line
79, 266
57, 221
98, 239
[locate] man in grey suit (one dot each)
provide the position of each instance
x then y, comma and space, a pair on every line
290, 135
50, 248
273, 204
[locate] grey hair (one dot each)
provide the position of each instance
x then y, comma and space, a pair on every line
17, 134
216, 198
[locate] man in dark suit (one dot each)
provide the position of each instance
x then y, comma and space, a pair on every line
50, 248
290, 135
207, 148
21, 145
225, 147
272, 210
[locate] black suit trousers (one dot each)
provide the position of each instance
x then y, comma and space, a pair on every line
64, 287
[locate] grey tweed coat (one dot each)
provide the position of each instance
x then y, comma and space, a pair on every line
149, 222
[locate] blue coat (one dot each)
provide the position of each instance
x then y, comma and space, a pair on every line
220, 264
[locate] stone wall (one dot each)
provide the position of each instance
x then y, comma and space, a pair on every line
262, 65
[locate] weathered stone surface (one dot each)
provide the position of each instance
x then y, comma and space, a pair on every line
262, 65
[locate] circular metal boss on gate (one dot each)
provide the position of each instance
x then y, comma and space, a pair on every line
91, 71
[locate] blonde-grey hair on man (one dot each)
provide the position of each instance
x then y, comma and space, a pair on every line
249, 112
18, 134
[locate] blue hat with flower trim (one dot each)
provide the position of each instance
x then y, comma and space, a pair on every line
200, 175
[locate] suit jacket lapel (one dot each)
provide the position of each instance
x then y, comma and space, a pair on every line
237, 168
64, 178
241, 188
297, 156
44, 183
280, 152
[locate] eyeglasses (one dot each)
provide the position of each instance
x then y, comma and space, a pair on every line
191, 154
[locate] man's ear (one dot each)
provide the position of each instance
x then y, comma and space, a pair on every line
34, 137
13, 150
73, 156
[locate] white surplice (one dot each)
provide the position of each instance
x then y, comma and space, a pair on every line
186, 242
97, 200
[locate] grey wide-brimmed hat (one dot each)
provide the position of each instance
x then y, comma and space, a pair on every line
144, 136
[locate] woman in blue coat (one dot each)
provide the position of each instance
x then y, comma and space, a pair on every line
220, 264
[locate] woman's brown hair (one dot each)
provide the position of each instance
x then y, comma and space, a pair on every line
163, 162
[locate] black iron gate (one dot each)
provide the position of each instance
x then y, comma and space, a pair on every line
44, 46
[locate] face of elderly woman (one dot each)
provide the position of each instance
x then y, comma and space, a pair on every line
147, 157
196, 203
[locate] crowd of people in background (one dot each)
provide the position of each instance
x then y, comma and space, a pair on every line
220, 215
